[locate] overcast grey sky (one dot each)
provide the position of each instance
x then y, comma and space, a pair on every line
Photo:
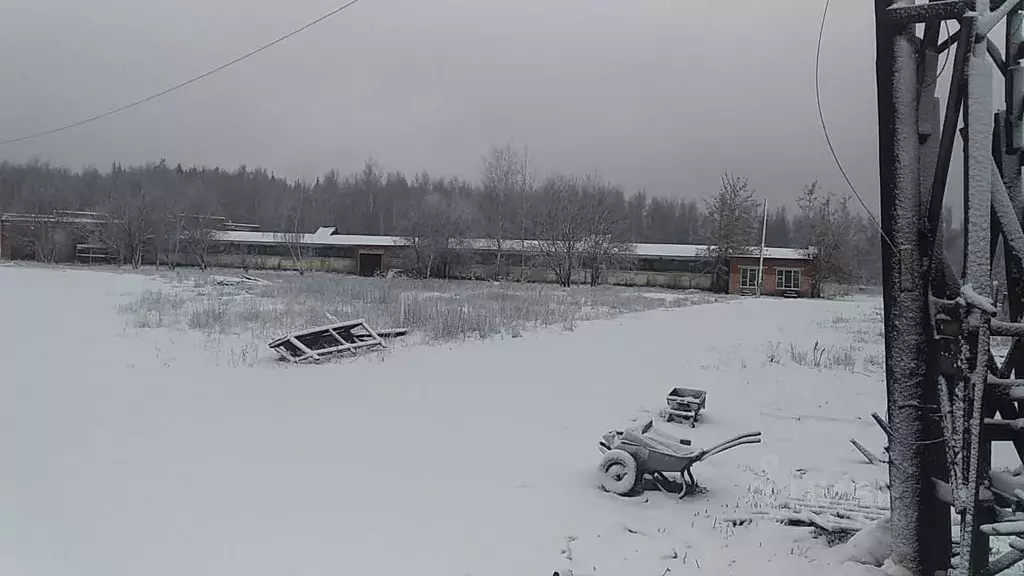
656, 94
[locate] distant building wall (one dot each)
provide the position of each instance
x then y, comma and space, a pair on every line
5, 242
264, 262
675, 280
782, 277
656, 265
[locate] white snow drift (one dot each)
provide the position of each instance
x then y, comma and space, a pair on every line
130, 451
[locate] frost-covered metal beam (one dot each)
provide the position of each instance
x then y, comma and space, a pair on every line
948, 43
901, 14
1003, 563
996, 55
950, 121
973, 457
993, 50
917, 515
1011, 387
1008, 208
945, 493
1012, 528
978, 170
1011, 329
1013, 236
996, 15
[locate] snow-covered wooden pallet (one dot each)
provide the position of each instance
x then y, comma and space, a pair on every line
317, 343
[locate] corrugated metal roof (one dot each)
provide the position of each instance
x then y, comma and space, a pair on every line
329, 237
66, 217
783, 253
322, 237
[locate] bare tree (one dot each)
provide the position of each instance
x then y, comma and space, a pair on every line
637, 216
506, 176
828, 234
606, 228
562, 226
37, 192
42, 237
369, 186
293, 225
200, 223
168, 233
731, 223
129, 227
435, 233
198, 238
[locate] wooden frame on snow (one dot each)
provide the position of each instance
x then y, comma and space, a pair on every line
316, 343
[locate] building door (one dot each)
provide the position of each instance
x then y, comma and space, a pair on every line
370, 264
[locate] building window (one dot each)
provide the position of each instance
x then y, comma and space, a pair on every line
748, 277
787, 279
335, 252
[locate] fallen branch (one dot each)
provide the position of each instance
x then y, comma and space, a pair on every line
882, 424
870, 456
797, 519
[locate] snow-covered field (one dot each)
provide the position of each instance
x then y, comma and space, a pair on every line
129, 450
236, 318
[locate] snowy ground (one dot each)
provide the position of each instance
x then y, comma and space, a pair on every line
238, 318
131, 450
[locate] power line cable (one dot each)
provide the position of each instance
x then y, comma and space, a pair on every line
181, 85
824, 128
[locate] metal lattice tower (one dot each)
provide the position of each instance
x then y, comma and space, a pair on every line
948, 397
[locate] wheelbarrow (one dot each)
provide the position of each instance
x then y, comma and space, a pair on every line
633, 454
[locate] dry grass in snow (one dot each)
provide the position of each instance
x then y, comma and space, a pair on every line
437, 310
858, 348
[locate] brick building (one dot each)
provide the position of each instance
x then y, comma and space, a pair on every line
787, 272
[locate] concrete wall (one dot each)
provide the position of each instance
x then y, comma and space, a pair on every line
677, 280
5, 242
261, 262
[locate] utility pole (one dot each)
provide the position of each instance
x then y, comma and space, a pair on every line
948, 398
760, 263
904, 287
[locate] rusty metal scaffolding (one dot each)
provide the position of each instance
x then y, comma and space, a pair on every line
949, 398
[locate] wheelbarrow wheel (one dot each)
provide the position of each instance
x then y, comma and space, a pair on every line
619, 473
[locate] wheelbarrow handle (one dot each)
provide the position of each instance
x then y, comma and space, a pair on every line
746, 438
735, 438
733, 444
